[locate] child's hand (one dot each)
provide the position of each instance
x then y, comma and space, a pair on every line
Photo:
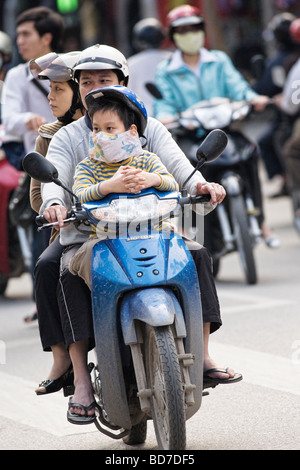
136, 180
133, 179
125, 180
129, 180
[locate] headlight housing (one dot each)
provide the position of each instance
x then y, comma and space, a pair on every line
127, 209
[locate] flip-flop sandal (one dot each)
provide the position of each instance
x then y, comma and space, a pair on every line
81, 419
216, 381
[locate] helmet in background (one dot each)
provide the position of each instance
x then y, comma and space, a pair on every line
184, 15
6, 48
148, 33
295, 31
5, 43
280, 27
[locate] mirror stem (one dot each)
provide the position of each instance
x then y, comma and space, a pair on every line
59, 183
200, 163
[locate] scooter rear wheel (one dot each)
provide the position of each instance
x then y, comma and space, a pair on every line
137, 434
165, 381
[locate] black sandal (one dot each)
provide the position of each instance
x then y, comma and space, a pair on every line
213, 381
81, 419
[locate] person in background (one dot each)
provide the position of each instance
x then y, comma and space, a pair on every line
195, 73
25, 105
289, 103
39, 31
147, 37
271, 84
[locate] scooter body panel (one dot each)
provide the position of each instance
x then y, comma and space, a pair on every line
135, 279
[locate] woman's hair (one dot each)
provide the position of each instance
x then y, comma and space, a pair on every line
126, 115
45, 21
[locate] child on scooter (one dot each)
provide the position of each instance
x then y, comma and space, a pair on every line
116, 163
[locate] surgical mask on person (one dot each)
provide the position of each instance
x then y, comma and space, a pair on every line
114, 148
189, 43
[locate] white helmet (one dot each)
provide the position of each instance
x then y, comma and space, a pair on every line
52, 66
5, 43
101, 57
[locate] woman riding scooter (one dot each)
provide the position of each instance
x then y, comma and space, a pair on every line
66, 106
193, 74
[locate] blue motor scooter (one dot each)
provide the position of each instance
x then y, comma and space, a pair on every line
146, 310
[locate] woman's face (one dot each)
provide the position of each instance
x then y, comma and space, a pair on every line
60, 98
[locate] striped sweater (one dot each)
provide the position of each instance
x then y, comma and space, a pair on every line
90, 173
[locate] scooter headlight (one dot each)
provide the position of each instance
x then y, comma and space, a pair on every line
124, 210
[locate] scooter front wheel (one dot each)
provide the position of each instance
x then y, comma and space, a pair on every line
165, 381
242, 237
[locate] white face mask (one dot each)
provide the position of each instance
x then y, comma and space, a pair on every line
189, 43
113, 148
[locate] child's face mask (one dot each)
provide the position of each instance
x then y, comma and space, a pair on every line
189, 43
113, 148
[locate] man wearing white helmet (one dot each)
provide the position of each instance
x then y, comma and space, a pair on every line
100, 66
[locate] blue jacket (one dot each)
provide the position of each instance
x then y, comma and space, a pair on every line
181, 87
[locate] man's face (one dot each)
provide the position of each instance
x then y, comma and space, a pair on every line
92, 79
30, 44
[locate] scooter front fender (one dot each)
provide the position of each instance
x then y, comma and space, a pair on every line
154, 306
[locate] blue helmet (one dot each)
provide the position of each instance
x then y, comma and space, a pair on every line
124, 95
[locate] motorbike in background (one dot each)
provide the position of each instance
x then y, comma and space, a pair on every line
146, 309
234, 225
15, 256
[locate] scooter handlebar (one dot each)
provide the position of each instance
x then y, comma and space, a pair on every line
200, 199
41, 221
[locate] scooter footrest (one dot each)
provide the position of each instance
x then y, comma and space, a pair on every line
187, 359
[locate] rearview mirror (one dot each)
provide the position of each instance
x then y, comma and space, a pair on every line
39, 168
212, 146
